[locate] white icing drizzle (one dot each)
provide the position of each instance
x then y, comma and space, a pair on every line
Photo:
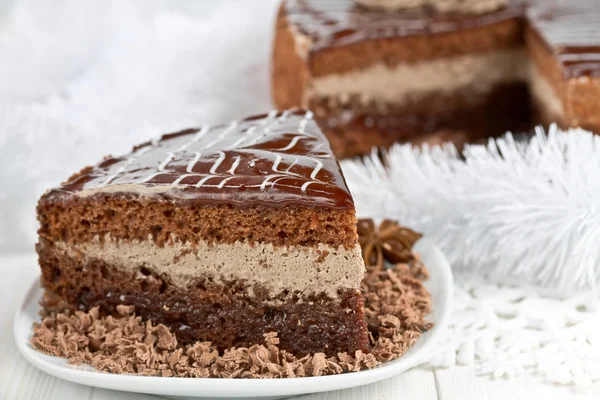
276, 163
224, 181
127, 163
200, 133
203, 180
223, 147
213, 169
291, 145
181, 178
305, 186
288, 169
267, 121
192, 164
166, 162
238, 142
304, 121
234, 165
313, 175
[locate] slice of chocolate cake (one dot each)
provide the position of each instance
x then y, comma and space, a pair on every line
222, 233
374, 77
563, 37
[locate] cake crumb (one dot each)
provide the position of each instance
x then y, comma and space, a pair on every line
396, 304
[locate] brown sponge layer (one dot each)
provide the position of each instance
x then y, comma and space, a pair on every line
228, 314
80, 219
395, 302
290, 72
579, 97
507, 107
354, 128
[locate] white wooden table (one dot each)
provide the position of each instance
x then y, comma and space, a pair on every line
19, 380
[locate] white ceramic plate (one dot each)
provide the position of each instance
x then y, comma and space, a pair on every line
439, 284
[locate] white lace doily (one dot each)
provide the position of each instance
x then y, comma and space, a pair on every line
509, 331
520, 212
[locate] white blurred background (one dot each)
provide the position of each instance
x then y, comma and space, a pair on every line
82, 79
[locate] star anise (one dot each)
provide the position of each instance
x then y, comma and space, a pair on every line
391, 242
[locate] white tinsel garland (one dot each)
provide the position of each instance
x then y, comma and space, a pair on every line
518, 211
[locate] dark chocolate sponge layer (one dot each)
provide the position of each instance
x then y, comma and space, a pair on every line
226, 314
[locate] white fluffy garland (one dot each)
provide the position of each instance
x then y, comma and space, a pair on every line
526, 212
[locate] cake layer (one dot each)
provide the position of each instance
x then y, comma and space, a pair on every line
548, 105
565, 81
462, 6
78, 220
296, 270
570, 31
224, 232
370, 67
225, 313
375, 78
475, 75
342, 23
276, 159
328, 39
507, 107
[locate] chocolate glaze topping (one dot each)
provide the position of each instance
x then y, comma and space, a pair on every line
571, 30
334, 23
275, 159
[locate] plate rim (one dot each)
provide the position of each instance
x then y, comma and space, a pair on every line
177, 386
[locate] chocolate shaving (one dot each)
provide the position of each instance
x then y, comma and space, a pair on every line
390, 242
396, 303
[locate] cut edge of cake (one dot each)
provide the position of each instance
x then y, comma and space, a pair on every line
542, 58
279, 259
565, 64
375, 89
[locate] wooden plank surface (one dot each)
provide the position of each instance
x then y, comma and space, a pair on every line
414, 384
460, 383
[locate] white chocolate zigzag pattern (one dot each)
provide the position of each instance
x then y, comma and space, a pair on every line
280, 149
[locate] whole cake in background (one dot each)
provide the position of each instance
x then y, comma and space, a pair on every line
223, 234
377, 72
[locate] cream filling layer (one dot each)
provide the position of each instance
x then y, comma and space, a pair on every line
309, 270
463, 6
406, 83
545, 96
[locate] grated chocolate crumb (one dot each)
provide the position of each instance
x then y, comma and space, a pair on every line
396, 304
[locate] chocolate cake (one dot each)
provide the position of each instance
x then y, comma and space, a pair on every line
380, 71
563, 38
222, 233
